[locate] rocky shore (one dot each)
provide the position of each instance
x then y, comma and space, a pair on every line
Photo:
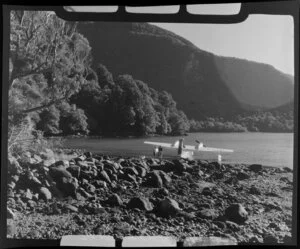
119, 196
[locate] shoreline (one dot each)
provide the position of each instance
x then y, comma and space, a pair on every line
158, 135
132, 155
122, 196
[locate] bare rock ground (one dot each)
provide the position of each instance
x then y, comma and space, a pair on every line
118, 196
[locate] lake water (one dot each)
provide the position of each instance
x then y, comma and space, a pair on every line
270, 149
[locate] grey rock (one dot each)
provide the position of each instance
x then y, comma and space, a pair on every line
100, 184
287, 169
10, 214
255, 240
88, 154
165, 177
236, 213
57, 173
154, 180
104, 176
74, 170
167, 207
130, 171
141, 203
13, 166
232, 225
11, 185
255, 167
114, 200
180, 166
242, 176
71, 208
45, 194
207, 214
141, 171
270, 239
68, 186
254, 191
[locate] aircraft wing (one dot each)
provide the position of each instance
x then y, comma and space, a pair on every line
207, 149
164, 145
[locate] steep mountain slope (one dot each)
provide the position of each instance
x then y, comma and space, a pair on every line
261, 85
201, 83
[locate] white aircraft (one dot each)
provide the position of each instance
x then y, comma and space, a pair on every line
188, 150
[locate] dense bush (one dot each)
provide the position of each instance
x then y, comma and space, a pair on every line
126, 106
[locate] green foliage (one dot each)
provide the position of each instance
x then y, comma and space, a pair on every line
261, 121
127, 106
48, 61
49, 121
270, 121
23, 138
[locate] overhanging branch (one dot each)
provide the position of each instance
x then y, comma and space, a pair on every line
43, 106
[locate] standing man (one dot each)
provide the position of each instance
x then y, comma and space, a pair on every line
160, 151
155, 151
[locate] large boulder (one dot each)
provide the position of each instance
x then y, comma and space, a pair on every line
68, 186
154, 180
141, 171
83, 165
255, 167
167, 207
165, 177
74, 170
141, 203
63, 163
88, 154
111, 166
14, 167
254, 190
58, 172
114, 200
104, 176
207, 213
180, 166
45, 194
130, 171
100, 184
242, 175
236, 213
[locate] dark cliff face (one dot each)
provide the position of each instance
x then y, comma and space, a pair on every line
201, 83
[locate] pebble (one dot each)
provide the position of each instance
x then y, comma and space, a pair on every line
71, 208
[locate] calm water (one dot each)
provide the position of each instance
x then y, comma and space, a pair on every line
271, 149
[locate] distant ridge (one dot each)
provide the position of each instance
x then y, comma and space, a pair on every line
201, 83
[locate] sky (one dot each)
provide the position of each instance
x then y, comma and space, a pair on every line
262, 38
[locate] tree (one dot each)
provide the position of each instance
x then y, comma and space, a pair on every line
49, 120
49, 60
104, 77
73, 120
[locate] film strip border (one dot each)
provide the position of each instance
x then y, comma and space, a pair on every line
144, 241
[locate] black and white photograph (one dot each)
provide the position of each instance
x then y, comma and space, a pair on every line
138, 129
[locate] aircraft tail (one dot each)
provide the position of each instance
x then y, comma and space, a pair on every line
199, 145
